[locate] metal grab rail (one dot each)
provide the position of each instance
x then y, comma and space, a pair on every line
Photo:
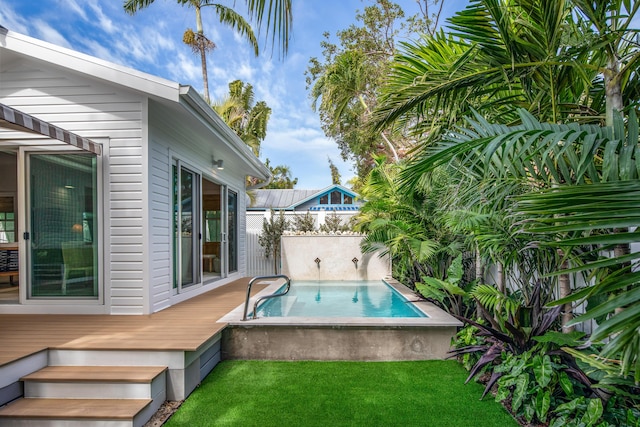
255, 306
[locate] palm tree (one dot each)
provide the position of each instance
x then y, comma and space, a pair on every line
248, 119
587, 210
508, 55
344, 86
276, 13
503, 55
615, 48
589, 177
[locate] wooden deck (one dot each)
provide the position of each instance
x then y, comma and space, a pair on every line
185, 326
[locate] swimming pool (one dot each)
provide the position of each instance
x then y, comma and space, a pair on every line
313, 335
339, 299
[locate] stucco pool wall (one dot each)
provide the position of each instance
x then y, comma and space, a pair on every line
335, 253
344, 338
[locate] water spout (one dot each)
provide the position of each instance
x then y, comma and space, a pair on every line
317, 261
355, 261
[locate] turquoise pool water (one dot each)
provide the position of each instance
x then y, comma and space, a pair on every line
339, 299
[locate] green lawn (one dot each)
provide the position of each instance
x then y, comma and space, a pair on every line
302, 394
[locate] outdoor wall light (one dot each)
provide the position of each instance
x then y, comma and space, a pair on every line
219, 164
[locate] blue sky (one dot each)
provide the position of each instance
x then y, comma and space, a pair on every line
151, 41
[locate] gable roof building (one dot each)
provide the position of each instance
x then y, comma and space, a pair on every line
332, 198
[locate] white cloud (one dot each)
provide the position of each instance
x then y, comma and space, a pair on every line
46, 32
244, 72
12, 21
97, 49
75, 8
104, 21
186, 70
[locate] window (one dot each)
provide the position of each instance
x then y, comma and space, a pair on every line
348, 200
7, 220
324, 200
63, 215
336, 197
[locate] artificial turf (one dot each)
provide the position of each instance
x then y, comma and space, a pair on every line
301, 394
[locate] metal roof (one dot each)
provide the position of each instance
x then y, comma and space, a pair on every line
290, 199
280, 199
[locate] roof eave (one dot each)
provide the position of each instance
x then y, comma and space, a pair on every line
193, 100
90, 65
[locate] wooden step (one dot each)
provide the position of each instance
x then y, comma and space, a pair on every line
73, 409
97, 382
125, 374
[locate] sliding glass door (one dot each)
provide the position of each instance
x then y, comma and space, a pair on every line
212, 227
61, 237
186, 242
205, 221
232, 230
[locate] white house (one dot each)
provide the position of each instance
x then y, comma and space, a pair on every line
123, 193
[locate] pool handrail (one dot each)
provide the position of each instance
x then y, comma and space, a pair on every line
278, 294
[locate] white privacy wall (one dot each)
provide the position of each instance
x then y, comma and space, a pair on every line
335, 253
258, 264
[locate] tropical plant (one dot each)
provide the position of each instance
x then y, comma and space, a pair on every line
615, 49
281, 177
403, 226
467, 336
451, 294
247, 118
621, 392
533, 383
511, 325
276, 14
598, 212
562, 60
513, 160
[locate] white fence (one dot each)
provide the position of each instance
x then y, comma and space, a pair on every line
257, 262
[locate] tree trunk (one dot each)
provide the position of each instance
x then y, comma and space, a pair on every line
502, 287
564, 284
203, 53
479, 277
384, 137
613, 89
564, 290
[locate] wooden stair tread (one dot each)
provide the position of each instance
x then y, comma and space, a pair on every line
105, 409
125, 374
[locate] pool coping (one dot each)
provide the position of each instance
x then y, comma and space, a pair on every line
436, 316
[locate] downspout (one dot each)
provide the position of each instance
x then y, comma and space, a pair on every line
260, 184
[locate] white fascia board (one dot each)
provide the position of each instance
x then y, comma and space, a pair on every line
90, 65
198, 106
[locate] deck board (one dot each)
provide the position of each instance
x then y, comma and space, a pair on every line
185, 326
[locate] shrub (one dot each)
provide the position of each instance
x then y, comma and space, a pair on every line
304, 223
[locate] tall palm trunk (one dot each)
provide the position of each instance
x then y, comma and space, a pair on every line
614, 103
613, 89
564, 290
479, 276
203, 52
